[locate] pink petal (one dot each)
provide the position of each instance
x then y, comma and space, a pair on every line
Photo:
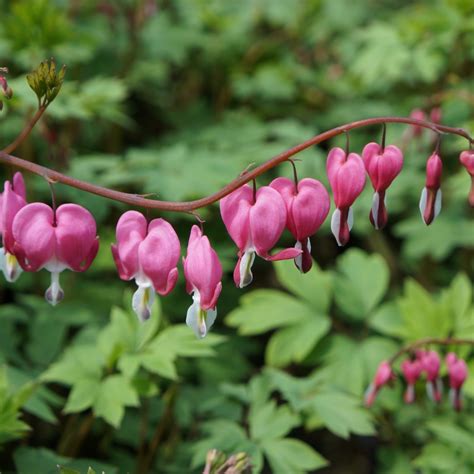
267, 219
382, 167
34, 237
202, 268
76, 238
19, 185
11, 204
131, 231
235, 209
285, 254
158, 255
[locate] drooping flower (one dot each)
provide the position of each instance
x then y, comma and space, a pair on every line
255, 225
383, 166
346, 175
54, 240
411, 370
203, 273
430, 362
149, 253
382, 377
457, 372
11, 201
307, 205
467, 160
430, 201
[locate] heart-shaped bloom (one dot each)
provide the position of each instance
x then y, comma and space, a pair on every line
55, 240
411, 370
467, 160
431, 363
430, 201
203, 273
11, 201
149, 253
457, 371
307, 205
255, 225
382, 377
346, 175
383, 166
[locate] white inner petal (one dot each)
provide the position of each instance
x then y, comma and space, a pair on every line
437, 206
375, 209
142, 301
299, 258
245, 268
9, 266
54, 294
350, 218
198, 319
423, 202
336, 225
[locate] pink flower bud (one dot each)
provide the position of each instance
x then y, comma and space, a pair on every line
149, 253
435, 115
55, 240
307, 205
431, 362
255, 225
383, 375
458, 373
347, 179
411, 371
430, 201
11, 201
383, 166
203, 273
417, 114
467, 160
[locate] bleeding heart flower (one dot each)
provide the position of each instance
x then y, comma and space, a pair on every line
411, 371
203, 273
457, 371
382, 377
55, 240
148, 253
430, 201
346, 175
11, 201
430, 362
467, 160
307, 205
255, 225
383, 166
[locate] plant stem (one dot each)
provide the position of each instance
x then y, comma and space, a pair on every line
26, 130
186, 206
430, 340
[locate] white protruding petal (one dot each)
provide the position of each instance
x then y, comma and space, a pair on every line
9, 266
437, 206
375, 209
299, 258
336, 225
54, 294
430, 391
350, 218
424, 194
198, 319
142, 301
246, 263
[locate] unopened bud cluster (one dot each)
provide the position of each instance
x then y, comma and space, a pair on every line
426, 366
5, 90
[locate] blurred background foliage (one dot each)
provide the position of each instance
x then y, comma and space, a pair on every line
176, 98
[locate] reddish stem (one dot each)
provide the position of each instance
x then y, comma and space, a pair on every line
186, 206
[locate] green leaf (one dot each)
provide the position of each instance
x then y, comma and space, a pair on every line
361, 282
292, 455
294, 343
315, 287
342, 414
83, 395
270, 421
114, 394
67, 470
388, 320
262, 310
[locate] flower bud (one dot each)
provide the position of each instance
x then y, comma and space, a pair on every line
457, 372
411, 370
383, 375
430, 362
430, 201
467, 160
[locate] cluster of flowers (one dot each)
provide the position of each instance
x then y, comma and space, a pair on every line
36, 236
428, 363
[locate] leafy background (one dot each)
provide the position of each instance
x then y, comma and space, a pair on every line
176, 99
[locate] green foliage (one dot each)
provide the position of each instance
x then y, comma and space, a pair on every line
174, 99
